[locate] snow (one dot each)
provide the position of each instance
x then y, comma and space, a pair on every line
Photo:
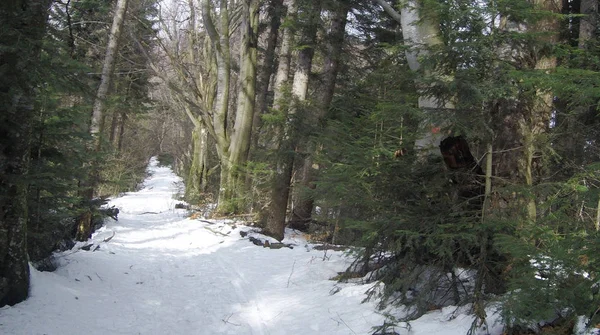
155, 271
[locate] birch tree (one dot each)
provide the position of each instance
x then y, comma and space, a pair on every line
420, 33
84, 222
108, 67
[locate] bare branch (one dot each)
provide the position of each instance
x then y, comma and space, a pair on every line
390, 10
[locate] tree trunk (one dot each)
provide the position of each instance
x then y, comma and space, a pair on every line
117, 124
521, 122
108, 68
84, 221
114, 127
242, 129
274, 12
290, 138
588, 24
304, 166
543, 104
333, 51
274, 213
23, 25
197, 177
122, 121
220, 110
285, 57
420, 33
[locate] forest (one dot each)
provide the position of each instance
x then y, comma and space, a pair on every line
429, 135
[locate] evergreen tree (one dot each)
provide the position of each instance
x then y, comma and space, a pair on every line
23, 27
501, 219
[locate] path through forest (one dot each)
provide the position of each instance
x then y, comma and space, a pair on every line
155, 271
162, 273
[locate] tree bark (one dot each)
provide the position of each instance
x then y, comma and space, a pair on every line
114, 127
588, 24
333, 51
198, 173
23, 25
108, 68
285, 57
420, 33
220, 110
543, 104
304, 166
274, 213
271, 35
122, 121
84, 221
521, 121
290, 137
242, 129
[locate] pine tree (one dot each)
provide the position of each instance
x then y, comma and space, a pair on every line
23, 27
510, 224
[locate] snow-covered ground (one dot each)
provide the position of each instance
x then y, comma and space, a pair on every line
163, 273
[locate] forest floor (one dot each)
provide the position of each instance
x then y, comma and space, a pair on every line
156, 271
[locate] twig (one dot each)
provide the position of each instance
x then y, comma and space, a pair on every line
325, 258
231, 323
110, 238
97, 275
237, 216
214, 231
345, 324
291, 273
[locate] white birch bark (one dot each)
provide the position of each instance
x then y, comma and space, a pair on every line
108, 67
420, 33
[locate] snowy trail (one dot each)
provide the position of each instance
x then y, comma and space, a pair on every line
162, 273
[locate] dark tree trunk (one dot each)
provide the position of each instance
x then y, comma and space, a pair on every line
305, 169
333, 51
291, 137
274, 11
273, 214
588, 24
466, 173
122, 122
114, 124
23, 26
